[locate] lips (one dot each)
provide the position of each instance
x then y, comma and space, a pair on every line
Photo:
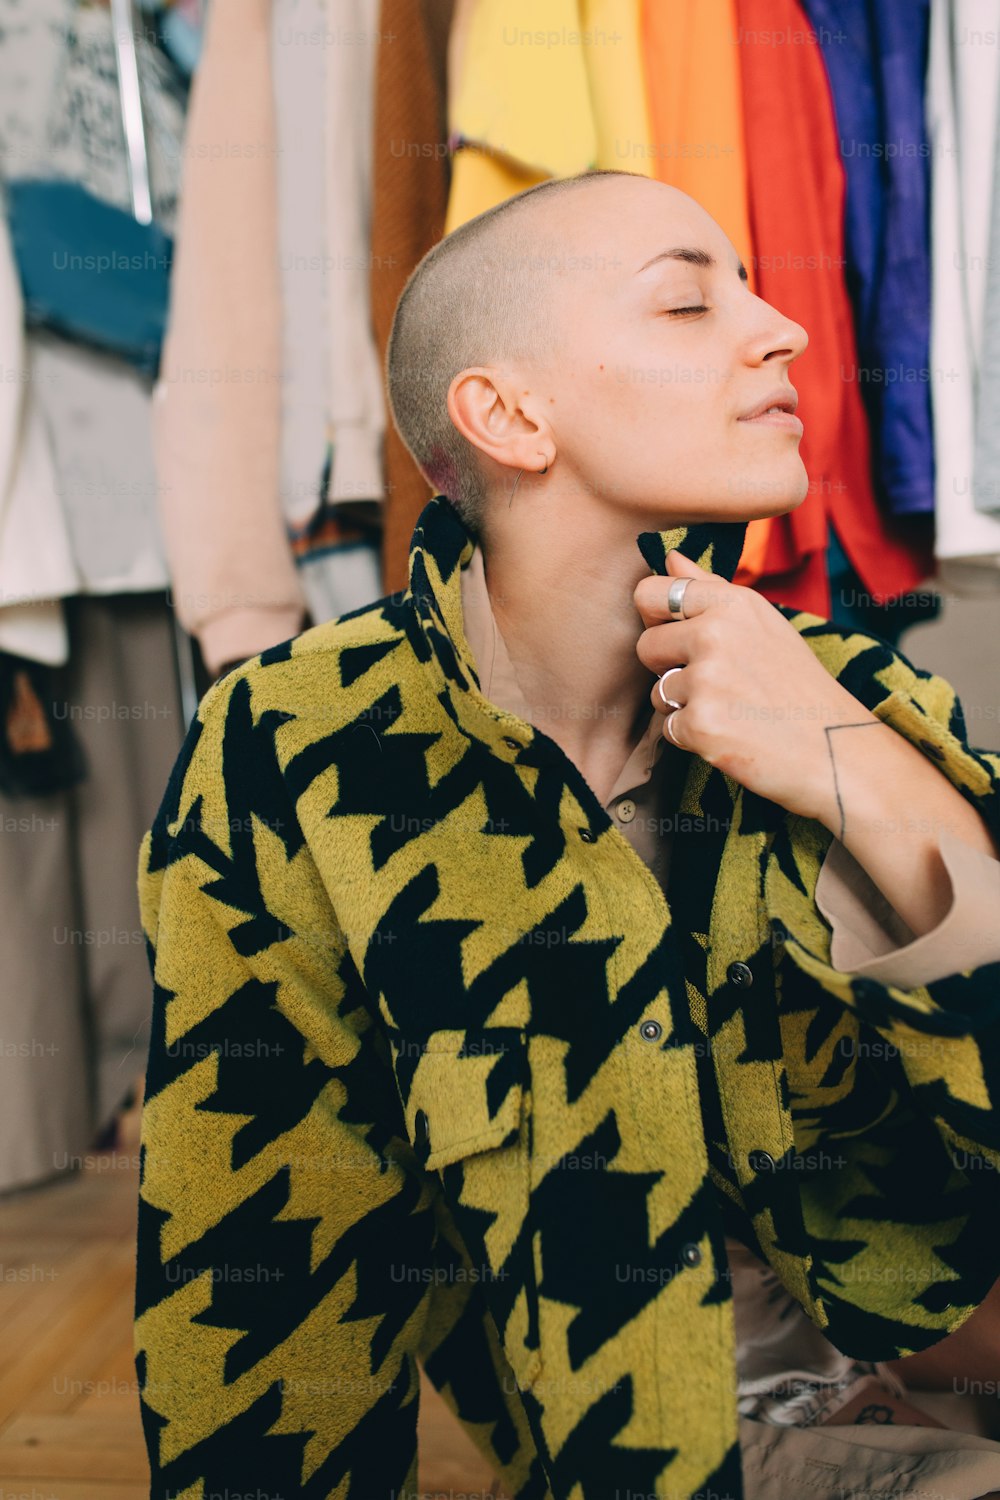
783, 398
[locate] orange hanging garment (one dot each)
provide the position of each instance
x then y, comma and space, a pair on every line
695, 106
695, 103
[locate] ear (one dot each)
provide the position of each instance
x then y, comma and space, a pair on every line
488, 410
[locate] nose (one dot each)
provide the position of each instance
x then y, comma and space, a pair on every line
775, 336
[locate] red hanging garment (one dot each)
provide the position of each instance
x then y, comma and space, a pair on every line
797, 188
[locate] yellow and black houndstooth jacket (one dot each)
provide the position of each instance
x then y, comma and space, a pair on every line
436, 1073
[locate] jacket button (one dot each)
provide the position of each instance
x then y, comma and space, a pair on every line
740, 974
586, 835
511, 744
626, 810
761, 1161
932, 749
650, 1030
691, 1255
421, 1132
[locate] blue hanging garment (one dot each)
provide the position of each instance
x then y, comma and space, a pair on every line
876, 60
90, 270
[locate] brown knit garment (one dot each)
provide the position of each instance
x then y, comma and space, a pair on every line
409, 202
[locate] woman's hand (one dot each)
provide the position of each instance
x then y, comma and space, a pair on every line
758, 705
756, 701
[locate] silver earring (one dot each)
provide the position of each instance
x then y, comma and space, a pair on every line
519, 473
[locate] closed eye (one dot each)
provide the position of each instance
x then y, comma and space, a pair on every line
674, 312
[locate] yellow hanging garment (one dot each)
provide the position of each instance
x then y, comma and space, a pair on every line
618, 85
529, 102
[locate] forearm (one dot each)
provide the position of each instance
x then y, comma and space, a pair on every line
888, 803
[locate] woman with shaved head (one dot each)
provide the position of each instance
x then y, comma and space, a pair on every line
623, 948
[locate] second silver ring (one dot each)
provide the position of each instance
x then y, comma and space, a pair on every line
670, 702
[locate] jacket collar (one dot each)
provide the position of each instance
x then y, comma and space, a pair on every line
442, 546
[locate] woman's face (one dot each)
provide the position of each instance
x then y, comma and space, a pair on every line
663, 357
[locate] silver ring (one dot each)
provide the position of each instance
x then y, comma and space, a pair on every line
675, 598
670, 702
671, 732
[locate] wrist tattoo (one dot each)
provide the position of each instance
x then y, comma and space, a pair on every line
828, 730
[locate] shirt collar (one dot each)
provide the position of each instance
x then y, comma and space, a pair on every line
441, 549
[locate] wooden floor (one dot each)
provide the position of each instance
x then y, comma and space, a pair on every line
69, 1409
69, 1406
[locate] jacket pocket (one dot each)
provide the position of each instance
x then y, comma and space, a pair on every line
466, 1101
465, 1092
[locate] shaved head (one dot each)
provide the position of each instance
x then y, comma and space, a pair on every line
482, 296
589, 354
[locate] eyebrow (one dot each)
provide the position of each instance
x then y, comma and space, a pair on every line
694, 257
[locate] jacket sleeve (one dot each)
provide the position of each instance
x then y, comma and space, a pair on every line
946, 1032
899, 1094
282, 1235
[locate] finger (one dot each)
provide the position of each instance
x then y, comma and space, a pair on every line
670, 645
704, 590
